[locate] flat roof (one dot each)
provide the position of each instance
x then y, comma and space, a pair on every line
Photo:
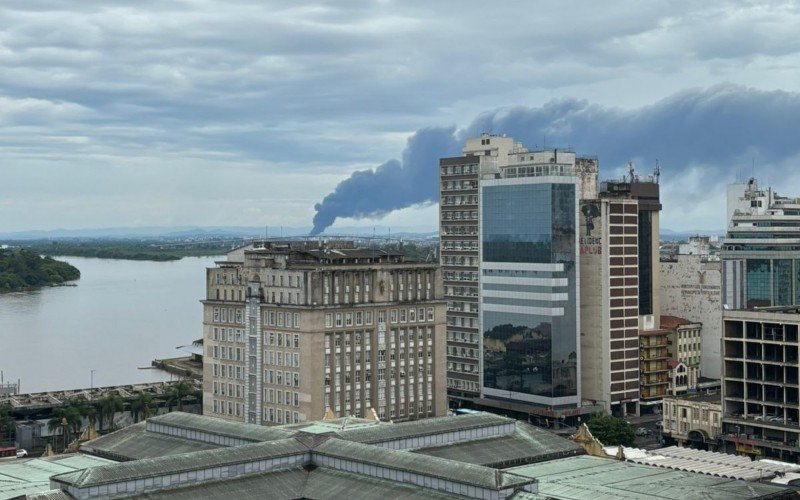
595, 478
25, 476
425, 427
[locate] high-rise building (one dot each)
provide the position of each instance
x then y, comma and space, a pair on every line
761, 319
509, 255
295, 330
620, 295
460, 257
529, 277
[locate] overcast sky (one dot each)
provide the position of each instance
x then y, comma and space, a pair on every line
198, 112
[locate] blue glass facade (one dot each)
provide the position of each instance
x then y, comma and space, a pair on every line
528, 289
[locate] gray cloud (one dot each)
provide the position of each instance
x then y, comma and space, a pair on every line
702, 138
318, 90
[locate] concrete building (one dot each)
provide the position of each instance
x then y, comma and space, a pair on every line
654, 364
460, 257
761, 288
760, 382
694, 420
691, 286
619, 290
295, 329
180, 456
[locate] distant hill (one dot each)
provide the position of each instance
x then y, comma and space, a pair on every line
178, 232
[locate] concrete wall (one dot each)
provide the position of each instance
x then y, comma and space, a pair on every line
690, 288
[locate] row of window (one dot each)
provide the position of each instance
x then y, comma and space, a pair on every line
286, 280
459, 185
282, 298
279, 416
228, 315
230, 390
460, 200
460, 169
221, 278
232, 408
282, 339
412, 315
228, 371
278, 377
277, 396
461, 245
222, 352
462, 336
462, 352
464, 385
459, 260
460, 215
461, 276
462, 367
227, 334
280, 358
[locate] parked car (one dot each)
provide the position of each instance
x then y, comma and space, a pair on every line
641, 431
22, 453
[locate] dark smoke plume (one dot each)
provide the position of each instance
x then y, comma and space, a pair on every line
721, 128
393, 185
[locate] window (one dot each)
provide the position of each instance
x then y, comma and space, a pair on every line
338, 320
328, 320
368, 318
394, 316
348, 319
359, 318
430, 314
412, 316
402, 315
296, 341
381, 317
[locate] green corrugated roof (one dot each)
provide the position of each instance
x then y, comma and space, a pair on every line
20, 477
594, 478
221, 427
425, 427
527, 444
451, 470
321, 483
134, 443
151, 467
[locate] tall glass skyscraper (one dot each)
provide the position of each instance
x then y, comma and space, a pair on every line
529, 284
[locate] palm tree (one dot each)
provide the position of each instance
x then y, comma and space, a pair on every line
142, 406
109, 406
178, 391
64, 420
6, 421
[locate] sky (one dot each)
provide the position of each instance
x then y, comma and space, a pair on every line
250, 113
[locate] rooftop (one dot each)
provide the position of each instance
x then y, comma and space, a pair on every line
595, 478
672, 322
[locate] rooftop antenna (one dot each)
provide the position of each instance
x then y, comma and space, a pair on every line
657, 172
630, 170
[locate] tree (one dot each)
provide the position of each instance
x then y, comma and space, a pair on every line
109, 406
142, 406
7, 426
178, 391
65, 420
611, 431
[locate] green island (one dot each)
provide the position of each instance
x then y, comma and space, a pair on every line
168, 250
153, 250
22, 269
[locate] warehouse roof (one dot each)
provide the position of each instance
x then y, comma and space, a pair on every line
174, 464
708, 462
526, 445
220, 427
135, 443
459, 472
419, 428
22, 476
595, 478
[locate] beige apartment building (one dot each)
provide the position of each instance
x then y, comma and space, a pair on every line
694, 419
295, 330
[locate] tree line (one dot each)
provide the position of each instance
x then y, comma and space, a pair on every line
22, 269
67, 420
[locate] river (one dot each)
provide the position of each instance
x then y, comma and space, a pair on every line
121, 316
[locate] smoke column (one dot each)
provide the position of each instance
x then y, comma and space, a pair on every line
716, 130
